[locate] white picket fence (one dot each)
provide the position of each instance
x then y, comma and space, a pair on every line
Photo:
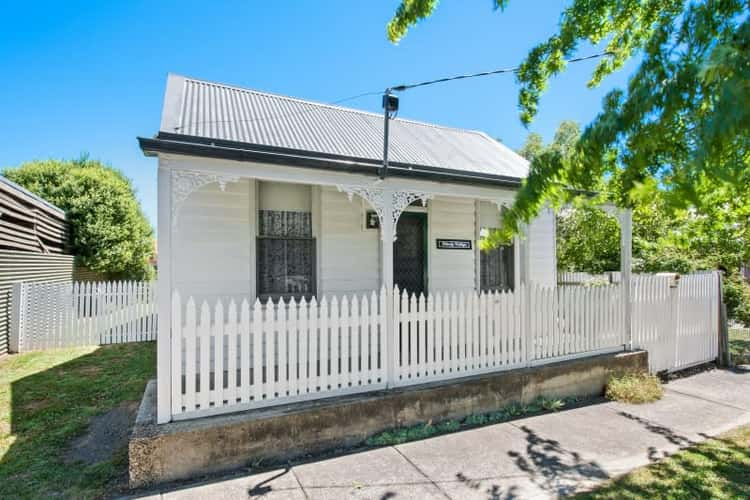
446, 335
676, 322
233, 357
50, 315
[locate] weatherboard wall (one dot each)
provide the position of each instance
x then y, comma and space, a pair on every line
451, 218
542, 251
213, 245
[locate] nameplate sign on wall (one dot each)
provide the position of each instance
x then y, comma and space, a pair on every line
454, 244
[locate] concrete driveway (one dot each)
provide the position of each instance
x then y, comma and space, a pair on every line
537, 457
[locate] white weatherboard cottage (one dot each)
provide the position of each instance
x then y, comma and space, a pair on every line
264, 196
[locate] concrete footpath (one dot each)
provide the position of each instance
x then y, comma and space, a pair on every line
536, 457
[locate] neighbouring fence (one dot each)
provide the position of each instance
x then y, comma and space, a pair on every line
49, 315
676, 321
17, 267
228, 357
739, 344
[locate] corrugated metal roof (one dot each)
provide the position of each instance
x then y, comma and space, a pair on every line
216, 111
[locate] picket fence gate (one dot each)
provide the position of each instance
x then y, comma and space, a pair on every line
51, 315
239, 356
676, 321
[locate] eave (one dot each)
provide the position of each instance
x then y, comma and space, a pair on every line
239, 151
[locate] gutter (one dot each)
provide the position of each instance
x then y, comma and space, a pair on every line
231, 150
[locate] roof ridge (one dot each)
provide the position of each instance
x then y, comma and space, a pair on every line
331, 106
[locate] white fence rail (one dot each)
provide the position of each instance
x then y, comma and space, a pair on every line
677, 322
452, 335
580, 278
229, 358
275, 353
49, 315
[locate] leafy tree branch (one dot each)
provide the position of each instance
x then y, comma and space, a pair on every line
679, 128
109, 233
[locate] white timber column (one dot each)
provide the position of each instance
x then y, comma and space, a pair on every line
388, 235
164, 295
626, 263
388, 203
525, 250
174, 188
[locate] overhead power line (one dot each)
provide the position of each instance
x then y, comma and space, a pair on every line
390, 101
396, 88
401, 88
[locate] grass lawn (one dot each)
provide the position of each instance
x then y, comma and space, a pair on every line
47, 399
739, 345
717, 468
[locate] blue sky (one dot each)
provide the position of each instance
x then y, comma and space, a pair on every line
89, 77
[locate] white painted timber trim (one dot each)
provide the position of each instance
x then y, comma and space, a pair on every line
164, 294
380, 199
302, 175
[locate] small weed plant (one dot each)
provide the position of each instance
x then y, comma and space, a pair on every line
636, 388
514, 410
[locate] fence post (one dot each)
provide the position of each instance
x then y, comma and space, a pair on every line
626, 255
674, 306
17, 325
524, 293
391, 335
526, 322
724, 359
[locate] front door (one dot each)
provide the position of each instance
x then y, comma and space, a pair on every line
409, 269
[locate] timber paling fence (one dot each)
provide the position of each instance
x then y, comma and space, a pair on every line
51, 315
234, 356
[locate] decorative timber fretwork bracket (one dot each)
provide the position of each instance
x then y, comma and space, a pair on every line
388, 205
186, 182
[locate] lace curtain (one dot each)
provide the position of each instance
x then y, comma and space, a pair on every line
496, 268
286, 254
282, 224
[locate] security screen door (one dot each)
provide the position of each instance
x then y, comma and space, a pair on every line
409, 249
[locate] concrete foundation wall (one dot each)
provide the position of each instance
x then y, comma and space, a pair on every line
178, 450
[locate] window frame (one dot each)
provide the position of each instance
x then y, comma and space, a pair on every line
275, 297
509, 253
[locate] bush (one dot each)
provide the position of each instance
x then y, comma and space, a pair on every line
737, 298
634, 388
109, 233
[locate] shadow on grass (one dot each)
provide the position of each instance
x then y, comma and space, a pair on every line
716, 468
49, 398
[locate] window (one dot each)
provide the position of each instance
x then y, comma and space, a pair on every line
286, 254
496, 268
